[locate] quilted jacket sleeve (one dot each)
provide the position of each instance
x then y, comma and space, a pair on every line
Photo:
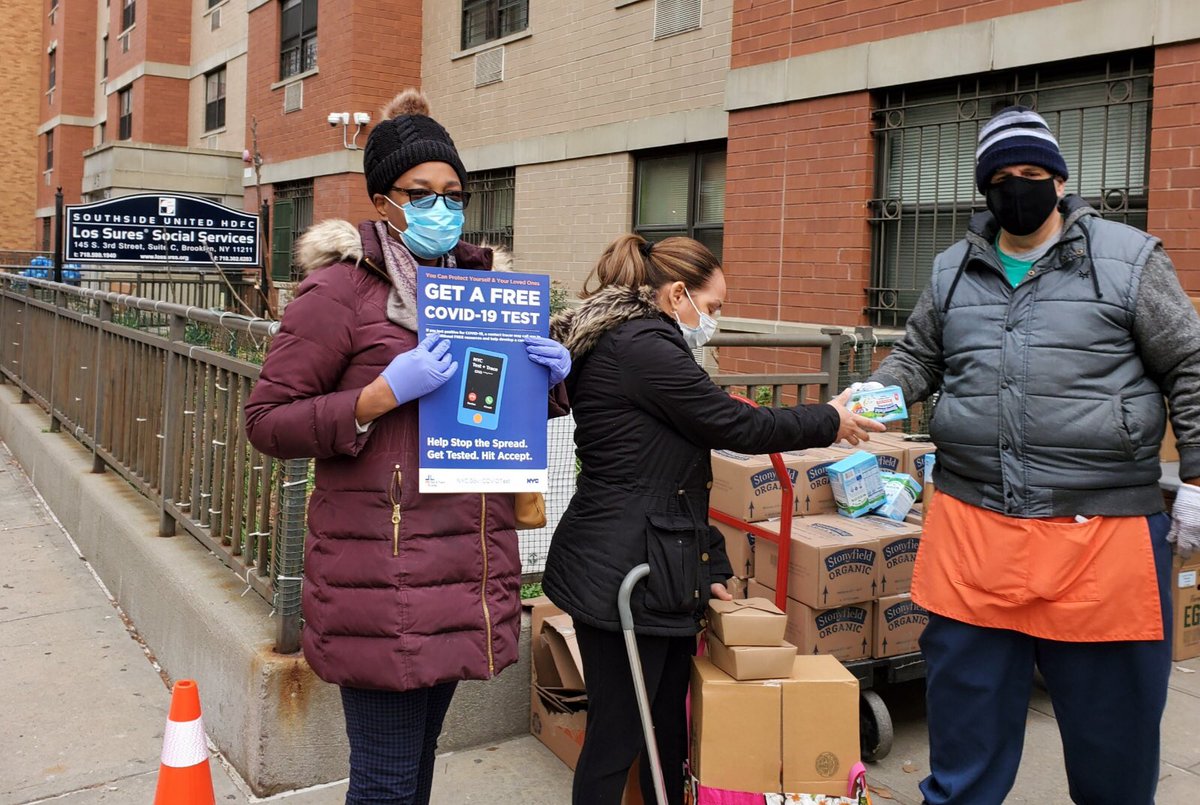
295, 409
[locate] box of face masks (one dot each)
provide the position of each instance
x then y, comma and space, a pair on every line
857, 484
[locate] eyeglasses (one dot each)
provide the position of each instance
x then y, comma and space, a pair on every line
425, 199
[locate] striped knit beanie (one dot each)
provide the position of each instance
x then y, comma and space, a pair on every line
406, 137
1016, 136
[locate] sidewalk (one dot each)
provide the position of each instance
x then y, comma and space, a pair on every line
85, 705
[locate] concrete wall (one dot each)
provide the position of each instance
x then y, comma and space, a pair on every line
278, 725
567, 212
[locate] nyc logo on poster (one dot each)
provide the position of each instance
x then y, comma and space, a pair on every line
484, 430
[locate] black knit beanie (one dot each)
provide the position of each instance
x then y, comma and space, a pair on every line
405, 137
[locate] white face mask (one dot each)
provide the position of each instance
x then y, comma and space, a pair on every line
697, 337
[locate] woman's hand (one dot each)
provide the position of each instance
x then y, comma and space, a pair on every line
853, 428
413, 374
719, 591
551, 354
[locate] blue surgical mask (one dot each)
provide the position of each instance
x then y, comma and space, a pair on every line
697, 337
431, 232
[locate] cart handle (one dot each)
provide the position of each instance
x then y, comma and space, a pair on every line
639, 680
784, 538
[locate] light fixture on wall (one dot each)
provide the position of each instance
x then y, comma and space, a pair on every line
361, 120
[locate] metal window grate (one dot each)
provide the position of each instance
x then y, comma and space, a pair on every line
925, 138
675, 17
293, 97
489, 67
490, 213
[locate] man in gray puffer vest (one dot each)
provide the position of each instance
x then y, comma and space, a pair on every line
1053, 336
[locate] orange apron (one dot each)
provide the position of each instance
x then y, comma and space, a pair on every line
1056, 578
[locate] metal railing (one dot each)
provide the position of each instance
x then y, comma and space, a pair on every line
167, 417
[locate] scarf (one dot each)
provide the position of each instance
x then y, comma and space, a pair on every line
402, 271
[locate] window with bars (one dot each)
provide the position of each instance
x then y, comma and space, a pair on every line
485, 20
682, 193
128, 14
297, 37
214, 100
490, 213
925, 138
293, 214
50, 150
125, 119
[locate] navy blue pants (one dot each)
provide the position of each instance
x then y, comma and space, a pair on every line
1108, 700
393, 737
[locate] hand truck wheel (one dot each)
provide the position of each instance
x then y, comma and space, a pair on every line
875, 727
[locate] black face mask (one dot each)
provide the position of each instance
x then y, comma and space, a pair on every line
1022, 205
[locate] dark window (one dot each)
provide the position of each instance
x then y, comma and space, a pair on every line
925, 138
52, 77
212, 3
485, 20
46, 230
128, 14
682, 193
490, 213
50, 150
214, 100
297, 37
103, 131
293, 208
104, 68
125, 126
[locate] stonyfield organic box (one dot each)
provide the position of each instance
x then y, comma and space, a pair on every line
1186, 594
898, 554
747, 487
834, 561
739, 547
844, 632
899, 622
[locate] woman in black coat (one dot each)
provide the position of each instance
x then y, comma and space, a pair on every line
647, 416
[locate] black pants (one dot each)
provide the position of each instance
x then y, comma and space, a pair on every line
393, 737
614, 729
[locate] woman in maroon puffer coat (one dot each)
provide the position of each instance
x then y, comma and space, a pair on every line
404, 594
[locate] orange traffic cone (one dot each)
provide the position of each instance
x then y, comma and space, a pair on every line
184, 777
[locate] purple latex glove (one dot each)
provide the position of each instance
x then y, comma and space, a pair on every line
422, 369
551, 354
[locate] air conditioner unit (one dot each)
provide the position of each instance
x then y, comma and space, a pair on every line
675, 17
293, 97
489, 67
216, 20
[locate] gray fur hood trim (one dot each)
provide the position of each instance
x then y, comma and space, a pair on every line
579, 329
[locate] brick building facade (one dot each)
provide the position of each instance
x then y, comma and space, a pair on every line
20, 82
852, 128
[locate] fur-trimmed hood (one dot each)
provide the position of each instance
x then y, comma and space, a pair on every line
338, 241
579, 329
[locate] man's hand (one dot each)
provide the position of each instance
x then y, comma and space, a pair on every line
1185, 519
853, 428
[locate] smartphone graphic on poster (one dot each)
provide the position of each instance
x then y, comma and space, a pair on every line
482, 386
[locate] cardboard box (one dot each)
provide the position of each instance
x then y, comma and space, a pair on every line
753, 622
558, 633
834, 560
557, 717
844, 632
798, 734
739, 546
1186, 595
857, 484
746, 486
820, 727
909, 454
898, 557
899, 622
752, 662
736, 730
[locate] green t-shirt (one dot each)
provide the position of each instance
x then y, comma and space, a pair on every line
1016, 266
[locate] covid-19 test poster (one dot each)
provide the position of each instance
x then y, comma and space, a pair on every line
484, 430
